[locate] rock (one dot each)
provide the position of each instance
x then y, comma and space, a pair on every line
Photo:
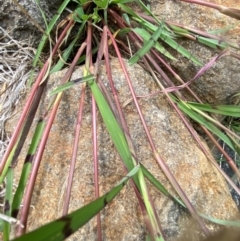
21, 28
225, 73
121, 219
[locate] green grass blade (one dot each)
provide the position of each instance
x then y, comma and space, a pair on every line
48, 31
120, 1
212, 43
102, 4
221, 221
8, 203
181, 50
223, 30
67, 51
179, 30
147, 10
158, 185
17, 200
235, 125
201, 120
146, 36
162, 189
226, 110
41, 11
1, 223
128, 10
126, 18
69, 84
112, 125
152, 28
147, 46
134, 15
60, 229
122, 147
154, 181
158, 236
167, 37
8, 163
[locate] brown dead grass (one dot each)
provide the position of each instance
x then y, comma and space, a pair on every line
15, 68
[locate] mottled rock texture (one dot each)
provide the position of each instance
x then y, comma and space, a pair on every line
216, 86
221, 81
18, 25
122, 219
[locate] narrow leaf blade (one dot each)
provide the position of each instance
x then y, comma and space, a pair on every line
147, 46
63, 227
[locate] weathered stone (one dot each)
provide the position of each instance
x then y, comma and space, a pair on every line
15, 22
221, 81
122, 220
225, 73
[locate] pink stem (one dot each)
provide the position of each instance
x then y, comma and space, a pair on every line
18, 128
74, 153
207, 4
160, 161
37, 161
95, 158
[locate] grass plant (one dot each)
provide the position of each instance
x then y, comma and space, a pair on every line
101, 26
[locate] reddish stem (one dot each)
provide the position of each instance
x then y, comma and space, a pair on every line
88, 64
160, 161
95, 158
204, 3
74, 153
39, 154
15, 135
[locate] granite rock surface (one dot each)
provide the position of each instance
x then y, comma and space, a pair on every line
122, 219
223, 80
19, 25
225, 72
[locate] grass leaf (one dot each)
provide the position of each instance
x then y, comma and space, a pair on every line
201, 120
69, 84
146, 36
63, 227
226, 110
48, 31
147, 46
112, 125
67, 51
167, 37
17, 200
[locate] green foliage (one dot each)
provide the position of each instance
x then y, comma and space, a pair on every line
147, 46
65, 226
94, 18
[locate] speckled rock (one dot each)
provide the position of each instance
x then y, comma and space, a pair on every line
20, 27
221, 81
122, 219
